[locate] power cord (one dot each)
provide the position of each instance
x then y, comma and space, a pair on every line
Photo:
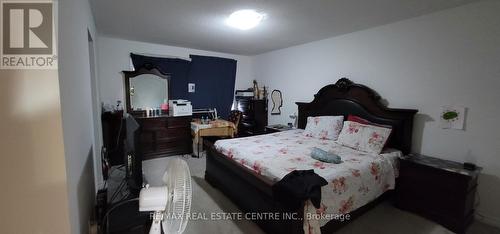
106, 216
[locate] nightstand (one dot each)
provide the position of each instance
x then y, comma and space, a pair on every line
278, 128
440, 190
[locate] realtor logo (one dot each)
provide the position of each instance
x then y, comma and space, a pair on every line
27, 35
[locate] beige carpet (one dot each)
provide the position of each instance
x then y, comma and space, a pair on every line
383, 219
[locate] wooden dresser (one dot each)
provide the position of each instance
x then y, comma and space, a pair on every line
254, 119
440, 190
164, 136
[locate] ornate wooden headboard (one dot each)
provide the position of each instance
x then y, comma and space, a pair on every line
346, 97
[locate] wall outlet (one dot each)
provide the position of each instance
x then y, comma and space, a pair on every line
191, 87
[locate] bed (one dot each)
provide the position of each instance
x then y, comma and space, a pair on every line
245, 169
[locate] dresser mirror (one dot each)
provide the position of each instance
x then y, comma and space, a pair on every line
146, 88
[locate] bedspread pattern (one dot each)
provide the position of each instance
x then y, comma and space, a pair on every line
359, 179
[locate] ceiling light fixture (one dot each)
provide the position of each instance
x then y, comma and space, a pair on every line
244, 19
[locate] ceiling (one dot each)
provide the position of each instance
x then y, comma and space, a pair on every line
200, 23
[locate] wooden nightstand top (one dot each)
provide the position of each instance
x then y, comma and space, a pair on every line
442, 164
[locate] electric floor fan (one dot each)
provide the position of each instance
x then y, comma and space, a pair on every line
170, 203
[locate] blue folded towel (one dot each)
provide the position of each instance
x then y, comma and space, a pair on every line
324, 156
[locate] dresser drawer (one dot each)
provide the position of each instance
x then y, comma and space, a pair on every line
425, 177
164, 145
179, 122
153, 123
174, 134
165, 122
180, 134
164, 136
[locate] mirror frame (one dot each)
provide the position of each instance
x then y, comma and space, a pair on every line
145, 69
276, 106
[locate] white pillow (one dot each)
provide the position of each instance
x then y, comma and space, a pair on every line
364, 137
324, 127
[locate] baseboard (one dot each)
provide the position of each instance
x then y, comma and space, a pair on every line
493, 221
93, 228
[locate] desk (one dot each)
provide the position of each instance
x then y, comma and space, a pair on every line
217, 127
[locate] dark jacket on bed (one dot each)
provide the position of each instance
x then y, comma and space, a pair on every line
299, 186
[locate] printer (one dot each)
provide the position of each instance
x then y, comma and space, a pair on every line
180, 107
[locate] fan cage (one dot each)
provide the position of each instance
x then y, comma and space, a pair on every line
179, 204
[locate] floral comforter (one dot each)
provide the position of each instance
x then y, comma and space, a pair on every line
359, 179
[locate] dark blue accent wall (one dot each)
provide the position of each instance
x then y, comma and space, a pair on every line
214, 78
177, 68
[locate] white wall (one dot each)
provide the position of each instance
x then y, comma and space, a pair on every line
449, 57
75, 21
33, 171
114, 57
34, 191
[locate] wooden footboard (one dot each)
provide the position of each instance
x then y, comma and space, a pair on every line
250, 192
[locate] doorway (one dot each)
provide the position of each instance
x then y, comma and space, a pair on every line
96, 120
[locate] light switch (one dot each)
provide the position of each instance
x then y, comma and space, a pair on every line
191, 87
